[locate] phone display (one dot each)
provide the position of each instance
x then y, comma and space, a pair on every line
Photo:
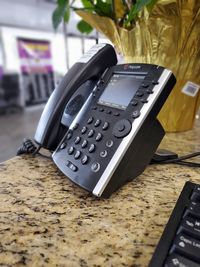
120, 90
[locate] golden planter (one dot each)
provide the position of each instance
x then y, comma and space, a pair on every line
169, 37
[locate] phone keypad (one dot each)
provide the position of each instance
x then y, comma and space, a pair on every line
88, 140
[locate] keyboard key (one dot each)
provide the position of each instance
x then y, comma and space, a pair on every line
190, 226
187, 246
176, 260
193, 209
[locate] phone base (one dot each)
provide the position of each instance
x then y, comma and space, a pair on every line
138, 156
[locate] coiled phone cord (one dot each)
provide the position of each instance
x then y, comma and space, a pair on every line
28, 147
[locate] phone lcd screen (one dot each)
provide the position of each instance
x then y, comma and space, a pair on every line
120, 90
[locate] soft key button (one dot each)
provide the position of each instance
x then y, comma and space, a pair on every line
121, 128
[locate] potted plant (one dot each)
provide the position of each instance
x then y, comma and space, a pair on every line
163, 32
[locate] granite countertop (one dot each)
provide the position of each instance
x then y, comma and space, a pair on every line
45, 220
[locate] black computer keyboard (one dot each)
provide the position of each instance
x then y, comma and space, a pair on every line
179, 245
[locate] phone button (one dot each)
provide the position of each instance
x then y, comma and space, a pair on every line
136, 114
99, 137
77, 140
122, 128
103, 154
90, 120
105, 126
72, 167
84, 130
69, 135
91, 133
97, 123
139, 93
109, 143
95, 167
92, 148
77, 154
84, 144
134, 102
63, 145
84, 159
71, 150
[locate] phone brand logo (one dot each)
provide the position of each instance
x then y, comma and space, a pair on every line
131, 67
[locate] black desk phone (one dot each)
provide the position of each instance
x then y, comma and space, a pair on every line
100, 122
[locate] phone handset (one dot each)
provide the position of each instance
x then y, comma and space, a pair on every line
91, 65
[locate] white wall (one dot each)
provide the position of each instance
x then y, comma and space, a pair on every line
9, 38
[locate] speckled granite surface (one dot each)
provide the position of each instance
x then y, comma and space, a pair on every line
45, 220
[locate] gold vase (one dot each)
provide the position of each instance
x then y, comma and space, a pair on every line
169, 37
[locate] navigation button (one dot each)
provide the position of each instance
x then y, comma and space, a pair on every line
122, 128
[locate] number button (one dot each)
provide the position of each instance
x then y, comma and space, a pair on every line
71, 150
92, 148
91, 133
77, 154
69, 135
84, 144
99, 137
84, 130
84, 159
97, 123
105, 126
77, 140
90, 120
63, 145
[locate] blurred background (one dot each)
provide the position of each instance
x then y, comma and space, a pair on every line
33, 59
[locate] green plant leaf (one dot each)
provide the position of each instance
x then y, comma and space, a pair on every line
59, 12
103, 8
67, 15
84, 27
61, 2
135, 9
87, 3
